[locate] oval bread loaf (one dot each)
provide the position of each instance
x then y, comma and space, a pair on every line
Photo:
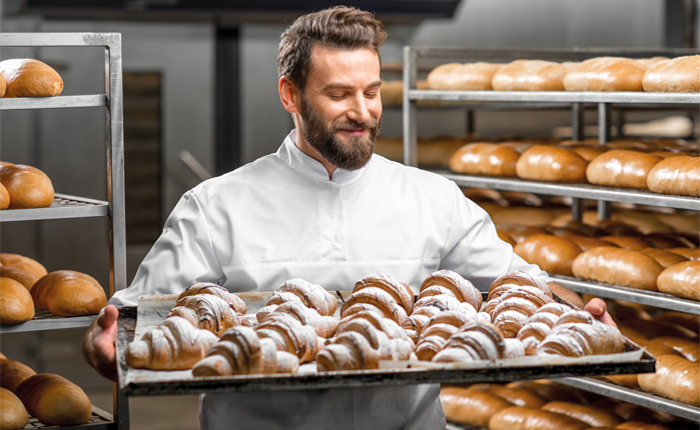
521, 418
676, 175
26, 77
14, 373
69, 293
627, 242
13, 414
678, 75
468, 77
485, 159
22, 276
621, 168
665, 258
25, 263
473, 408
605, 74
587, 414
4, 197
691, 322
617, 266
525, 216
549, 163
16, 304
27, 186
529, 75
675, 378
682, 280
553, 254
54, 400
515, 396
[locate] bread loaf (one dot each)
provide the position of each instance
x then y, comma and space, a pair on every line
627, 242
550, 391
26, 77
515, 396
455, 76
587, 414
678, 75
16, 304
638, 425
617, 266
643, 222
529, 75
469, 407
676, 378
520, 233
682, 280
524, 216
621, 168
549, 163
669, 240
69, 293
27, 186
22, 276
3, 85
488, 159
680, 221
25, 263
586, 243
691, 322
690, 349
588, 152
676, 175
521, 418
664, 258
553, 254
605, 74
13, 414
54, 400
504, 236
4, 196
689, 253
14, 373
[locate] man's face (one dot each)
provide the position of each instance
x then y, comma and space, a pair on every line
341, 110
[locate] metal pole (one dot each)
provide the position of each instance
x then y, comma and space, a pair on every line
604, 209
410, 128
470, 125
577, 121
577, 209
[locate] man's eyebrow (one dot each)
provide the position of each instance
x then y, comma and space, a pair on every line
341, 86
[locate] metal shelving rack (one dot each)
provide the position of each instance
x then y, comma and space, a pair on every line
65, 206
577, 100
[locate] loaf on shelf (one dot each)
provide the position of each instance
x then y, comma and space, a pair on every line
605, 74
550, 163
26, 77
470, 76
488, 159
515, 396
69, 293
22, 276
473, 408
13, 414
621, 168
16, 303
25, 263
675, 378
617, 266
529, 75
678, 75
682, 279
522, 418
551, 253
14, 373
4, 197
27, 186
54, 400
589, 415
676, 175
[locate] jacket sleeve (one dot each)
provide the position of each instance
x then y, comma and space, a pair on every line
473, 248
182, 255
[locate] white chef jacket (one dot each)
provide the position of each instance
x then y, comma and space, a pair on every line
281, 217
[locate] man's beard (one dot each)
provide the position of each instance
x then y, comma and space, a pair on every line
352, 155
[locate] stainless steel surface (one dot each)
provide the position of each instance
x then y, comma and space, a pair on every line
60, 102
44, 320
583, 191
487, 106
555, 96
634, 396
100, 420
604, 210
552, 54
63, 206
410, 125
577, 121
652, 298
576, 209
603, 123
57, 39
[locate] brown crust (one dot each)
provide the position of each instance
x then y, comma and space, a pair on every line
26, 77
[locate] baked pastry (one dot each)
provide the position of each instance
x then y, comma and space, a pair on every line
449, 282
436, 331
679, 75
628, 242
605, 74
522, 215
539, 325
669, 240
676, 378
691, 322
27, 77
235, 302
521, 418
13, 414
25, 263
174, 345
550, 390
690, 349
455, 76
475, 340
14, 373
488, 159
676, 175
208, 312
665, 258
54, 400
576, 334
689, 253
551, 253
27, 186
291, 336
682, 280
431, 306
299, 290
517, 279
324, 326
16, 304
529, 75
392, 298
4, 196
550, 163
241, 352
67, 293
469, 407
621, 168
3, 85
520, 233
589, 415
515, 396
22, 276
617, 266
511, 310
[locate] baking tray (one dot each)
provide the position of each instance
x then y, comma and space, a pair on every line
142, 382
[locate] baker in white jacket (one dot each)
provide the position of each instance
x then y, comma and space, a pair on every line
325, 209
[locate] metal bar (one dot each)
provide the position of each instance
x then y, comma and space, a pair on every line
410, 126
603, 123
470, 125
59, 102
120, 405
644, 297
57, 323
577, 121
555, 96
58, 39
577, 210
63, 207
583, 191
604, 210
636, 397
547, 53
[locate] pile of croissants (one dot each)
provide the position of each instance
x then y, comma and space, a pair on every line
207, 329
50, 398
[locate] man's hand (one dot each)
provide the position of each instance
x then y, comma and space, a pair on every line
597, 308
98, 344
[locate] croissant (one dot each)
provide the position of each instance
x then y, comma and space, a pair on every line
386, 325
516, 279
174, 345
392, 298
474, 341
430, 306
512, 309
291, 336
444, 281
298, 290
241, 352
576, 334
324, 326
436, 331
235, 302
539, 325
208, 312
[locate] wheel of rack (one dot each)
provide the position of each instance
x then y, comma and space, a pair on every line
65, 207
577, 101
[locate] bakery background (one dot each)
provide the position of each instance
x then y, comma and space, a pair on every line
182, 77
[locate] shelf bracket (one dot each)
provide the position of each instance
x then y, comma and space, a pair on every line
410, 128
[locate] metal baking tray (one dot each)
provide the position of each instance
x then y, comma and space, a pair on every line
100, 420
45, 320
137, 382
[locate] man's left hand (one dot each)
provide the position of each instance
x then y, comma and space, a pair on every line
598, 309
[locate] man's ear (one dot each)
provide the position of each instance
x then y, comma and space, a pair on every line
289, 95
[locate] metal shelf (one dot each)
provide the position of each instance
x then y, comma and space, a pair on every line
644, 297
100, 420
582, 191
45, 320
486, 106
636, 397
63, 206
58, 102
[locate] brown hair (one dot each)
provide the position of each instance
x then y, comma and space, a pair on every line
339, 28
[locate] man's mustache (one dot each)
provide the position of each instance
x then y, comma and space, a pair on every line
354, 125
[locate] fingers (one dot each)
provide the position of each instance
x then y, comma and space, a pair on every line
598, 309
108, 317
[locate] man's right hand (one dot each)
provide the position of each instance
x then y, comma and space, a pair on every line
98, 344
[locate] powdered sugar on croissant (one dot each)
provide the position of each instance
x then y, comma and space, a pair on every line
436, 331
449, 282
539, 325
431, 306
324, 326
391, 298
291, 336
517, 279
311, 295
235, 302
513, 308
576, 333
208, 312
474, 341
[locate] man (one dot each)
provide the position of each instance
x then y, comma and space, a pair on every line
324, 209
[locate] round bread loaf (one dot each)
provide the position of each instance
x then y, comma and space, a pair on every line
14, 373
690, 349
22, 276
485, 159
587, 414
679, 75
682, 280
676, 378
54, 400
553, 254
68, 293
621, 168
467, 77
617, 266
676, 175
27, 186
605, 74
549, 163
13, 414
529, 75
473, 408
16, 304
25, 263
550, 391
4, 196
26, 77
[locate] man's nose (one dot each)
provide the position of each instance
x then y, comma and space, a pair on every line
359, 111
